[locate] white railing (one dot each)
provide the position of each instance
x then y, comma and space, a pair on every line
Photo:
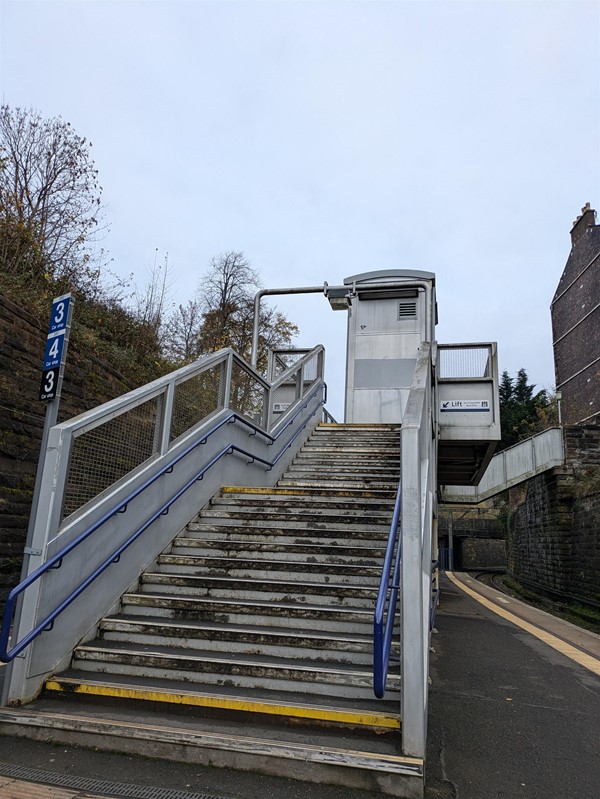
418, 463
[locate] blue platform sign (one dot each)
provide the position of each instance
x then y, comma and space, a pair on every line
55, 351
60, 313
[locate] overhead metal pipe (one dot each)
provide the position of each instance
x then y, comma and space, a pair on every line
263, 293
325, 288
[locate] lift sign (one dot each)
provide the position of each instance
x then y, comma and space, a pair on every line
55, 345
465, 406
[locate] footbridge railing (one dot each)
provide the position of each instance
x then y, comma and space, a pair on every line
512, 466
120, 481
407, 572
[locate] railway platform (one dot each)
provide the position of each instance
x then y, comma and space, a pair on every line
513, 714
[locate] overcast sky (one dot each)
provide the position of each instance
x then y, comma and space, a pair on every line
325, 139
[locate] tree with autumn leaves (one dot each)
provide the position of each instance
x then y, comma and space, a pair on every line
50, 222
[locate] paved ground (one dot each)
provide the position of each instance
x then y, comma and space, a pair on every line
511, 717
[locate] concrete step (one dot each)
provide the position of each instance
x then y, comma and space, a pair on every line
298, 501
360, 461
280, 674
281, 499
280, 614
246, 640
350, 455
232, 702
340, 490
326, 594
283, 513
225, 524
290, 547
377, 468
327, 476
275, 569
385, 488
359, 760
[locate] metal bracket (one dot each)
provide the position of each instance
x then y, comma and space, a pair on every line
31, 551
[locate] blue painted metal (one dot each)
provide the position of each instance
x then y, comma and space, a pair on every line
435, 600
56, 561
390, 583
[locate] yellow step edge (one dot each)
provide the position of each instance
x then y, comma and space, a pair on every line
335, 715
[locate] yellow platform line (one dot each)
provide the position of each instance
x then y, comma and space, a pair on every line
587, 661
333, 715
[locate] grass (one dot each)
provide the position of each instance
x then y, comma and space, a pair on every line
579, 613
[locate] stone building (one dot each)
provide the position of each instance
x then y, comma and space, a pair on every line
575, 314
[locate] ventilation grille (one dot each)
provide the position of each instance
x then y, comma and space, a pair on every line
90, 785
407, 309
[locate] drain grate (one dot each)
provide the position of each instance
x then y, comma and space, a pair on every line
97, 786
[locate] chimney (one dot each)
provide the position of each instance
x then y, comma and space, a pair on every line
586, 220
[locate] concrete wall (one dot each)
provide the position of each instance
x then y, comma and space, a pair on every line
478, 535
554, 534
88, 382
479, 553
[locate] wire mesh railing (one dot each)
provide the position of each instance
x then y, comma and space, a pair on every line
108, 446
464, 361
106, 453
247, 393
195, 398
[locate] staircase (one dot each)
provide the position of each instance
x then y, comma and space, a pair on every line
250, 641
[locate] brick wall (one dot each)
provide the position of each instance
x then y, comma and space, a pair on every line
554, 536
479, 553
88, 382
576, 324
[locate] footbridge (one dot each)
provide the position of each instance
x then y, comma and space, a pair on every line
220, 573
512, 466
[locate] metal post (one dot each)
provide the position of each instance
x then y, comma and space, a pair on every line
50, 420
167, 414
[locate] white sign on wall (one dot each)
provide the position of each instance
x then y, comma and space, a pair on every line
465, 406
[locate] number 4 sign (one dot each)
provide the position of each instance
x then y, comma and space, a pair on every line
56, 347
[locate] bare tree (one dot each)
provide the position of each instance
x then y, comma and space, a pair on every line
222, 315
227, 299
149, 304
49, 199
180, 340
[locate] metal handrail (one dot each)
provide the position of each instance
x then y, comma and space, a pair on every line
390, 581
55, 561
435, 600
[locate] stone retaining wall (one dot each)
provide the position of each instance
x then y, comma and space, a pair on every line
554, 535
88, 382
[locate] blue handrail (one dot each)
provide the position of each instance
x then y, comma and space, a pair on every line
56, 560
390, 581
